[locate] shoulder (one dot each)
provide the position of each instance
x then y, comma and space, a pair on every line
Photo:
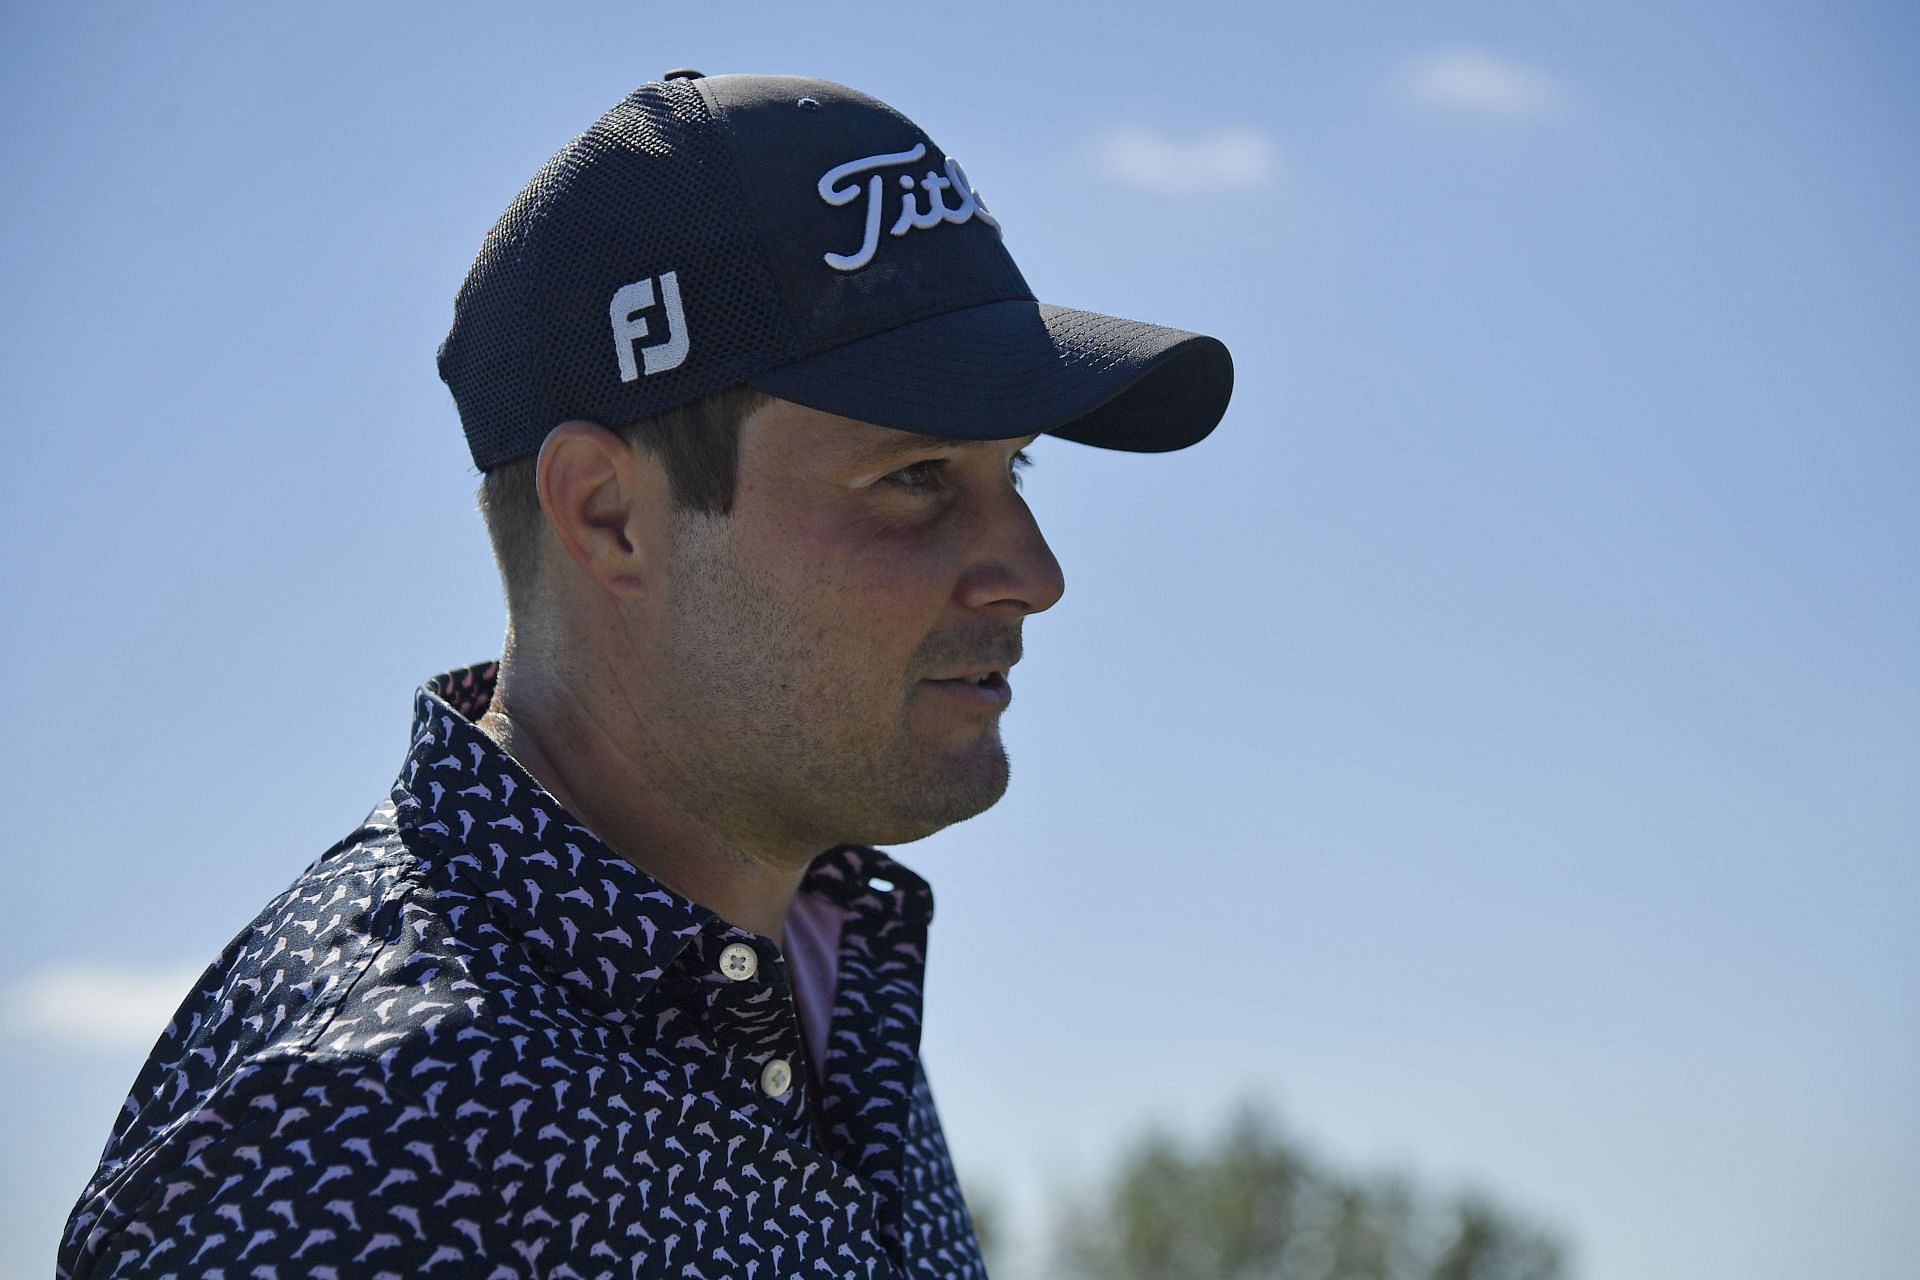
279, 982
240, 1090
295, 1164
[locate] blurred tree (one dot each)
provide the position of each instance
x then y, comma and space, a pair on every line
1253, 1207
984, 1206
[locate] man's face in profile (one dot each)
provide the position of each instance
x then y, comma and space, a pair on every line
814, 632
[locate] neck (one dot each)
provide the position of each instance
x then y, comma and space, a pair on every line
597, 757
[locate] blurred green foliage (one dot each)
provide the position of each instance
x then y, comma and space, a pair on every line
984, 1206
1252, 1206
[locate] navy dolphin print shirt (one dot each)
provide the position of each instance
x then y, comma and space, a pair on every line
470, 1040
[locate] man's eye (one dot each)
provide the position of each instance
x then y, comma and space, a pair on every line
919, 475
929, 474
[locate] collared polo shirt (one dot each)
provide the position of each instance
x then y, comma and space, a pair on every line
472, 1040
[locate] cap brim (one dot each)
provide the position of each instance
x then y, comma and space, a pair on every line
1007, 369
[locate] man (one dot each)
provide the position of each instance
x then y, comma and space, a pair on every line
613, 982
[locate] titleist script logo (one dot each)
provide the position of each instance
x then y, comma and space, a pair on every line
841, 185
630, 326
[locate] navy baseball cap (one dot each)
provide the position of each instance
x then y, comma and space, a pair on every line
810, 241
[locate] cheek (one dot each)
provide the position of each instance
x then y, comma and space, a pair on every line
871, 587
876, 595
856, 553
900, 583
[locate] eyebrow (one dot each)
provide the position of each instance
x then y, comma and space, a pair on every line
900, 443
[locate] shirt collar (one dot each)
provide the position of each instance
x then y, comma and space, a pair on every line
601, 924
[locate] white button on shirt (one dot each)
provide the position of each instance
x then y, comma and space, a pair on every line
739, 961
775, 1077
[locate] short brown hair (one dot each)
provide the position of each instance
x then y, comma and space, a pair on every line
698, 443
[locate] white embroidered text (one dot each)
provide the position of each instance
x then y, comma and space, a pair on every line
923, 202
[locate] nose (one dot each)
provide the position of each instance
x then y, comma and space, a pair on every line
1015, 572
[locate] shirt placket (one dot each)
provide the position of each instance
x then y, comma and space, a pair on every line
752, 1021
873, 1048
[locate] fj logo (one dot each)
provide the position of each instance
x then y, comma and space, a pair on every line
630, 326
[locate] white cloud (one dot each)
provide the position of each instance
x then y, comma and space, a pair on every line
1223, 160
94, 1006
1471, 82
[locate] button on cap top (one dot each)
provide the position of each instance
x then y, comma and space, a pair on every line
739, 961
683, 73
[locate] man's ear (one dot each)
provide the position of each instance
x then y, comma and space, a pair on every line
608, 505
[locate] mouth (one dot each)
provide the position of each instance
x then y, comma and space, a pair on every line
982, 688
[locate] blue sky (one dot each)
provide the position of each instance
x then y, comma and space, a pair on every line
1495, 748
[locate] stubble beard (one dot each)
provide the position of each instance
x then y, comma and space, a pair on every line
792, 743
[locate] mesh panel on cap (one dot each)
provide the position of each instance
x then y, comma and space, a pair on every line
487, 359
648, 189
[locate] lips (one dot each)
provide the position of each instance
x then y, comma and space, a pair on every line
981, 674
981, 688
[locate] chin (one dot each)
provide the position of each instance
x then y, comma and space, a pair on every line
942, 797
